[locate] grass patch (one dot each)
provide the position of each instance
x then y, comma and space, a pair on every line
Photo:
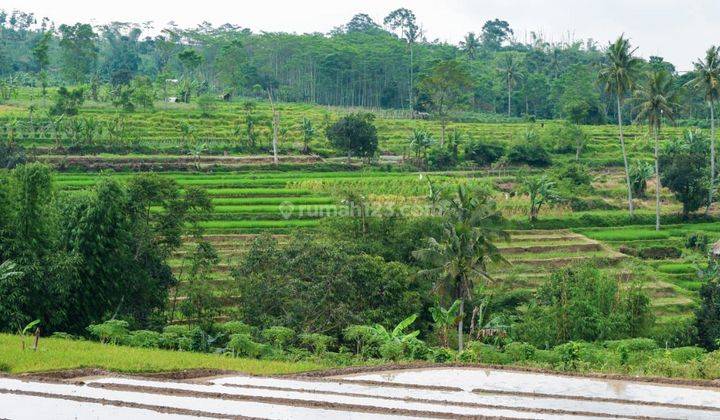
55, 354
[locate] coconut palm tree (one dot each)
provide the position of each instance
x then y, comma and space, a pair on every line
656, 99
618, 76
459, 259
470, 45
707, 81
509, 68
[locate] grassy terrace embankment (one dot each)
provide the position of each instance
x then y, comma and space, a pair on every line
57, 354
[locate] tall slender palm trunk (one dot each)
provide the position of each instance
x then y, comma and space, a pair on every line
625, 159
657, 180
712, 157
410, 90
460, 324
509, 95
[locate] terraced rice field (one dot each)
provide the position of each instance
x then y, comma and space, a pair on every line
417, 393
681, 271
158, 132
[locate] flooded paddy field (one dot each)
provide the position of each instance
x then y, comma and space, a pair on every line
452, 392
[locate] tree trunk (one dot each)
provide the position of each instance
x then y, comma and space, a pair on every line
509, 95
625, 160
460, 324
276, 124
657, 181
442, 131
712, 157
410, 91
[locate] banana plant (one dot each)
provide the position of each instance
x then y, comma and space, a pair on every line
29, 327
398, 333
445, 319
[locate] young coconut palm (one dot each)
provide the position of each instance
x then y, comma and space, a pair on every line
459, 259
707, 81
656, 99
618, 76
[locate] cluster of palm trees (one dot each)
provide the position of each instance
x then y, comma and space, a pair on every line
656, 98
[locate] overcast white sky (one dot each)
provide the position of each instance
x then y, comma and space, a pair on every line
678, 30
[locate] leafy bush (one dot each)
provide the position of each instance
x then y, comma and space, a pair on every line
659, 252
519, 351
318, 343
583, 303
698, 241
243, 345
532, 153
484, 152
235, 327
67, 102
366, 339
574, 174
207, 104
278, 336
441, 354
567, 138
391, 350
113, 331
143, 338
632, 344
675, 332
440, 157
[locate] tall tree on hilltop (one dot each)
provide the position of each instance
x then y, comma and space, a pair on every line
618, 76
509, 68
79, 51
445, 85
470, 45
707, 81
404, 20
656, 99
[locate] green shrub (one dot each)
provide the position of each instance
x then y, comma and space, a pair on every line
659, 253
144, 338
486, 353
113, 331
365, 337
484, 152
574, 174
533, 154
675, 332
391, 350
318, 343
441, 354
235, 327
685, 354
698, 241
632, 344
243, 345
440, 157
278, 336
569, 354
519, 351
416, 349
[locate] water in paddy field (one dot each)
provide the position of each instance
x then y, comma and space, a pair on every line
417, 393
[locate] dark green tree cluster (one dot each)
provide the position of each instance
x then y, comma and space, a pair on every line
83, 258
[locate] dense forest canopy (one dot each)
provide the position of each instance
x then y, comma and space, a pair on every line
361, 63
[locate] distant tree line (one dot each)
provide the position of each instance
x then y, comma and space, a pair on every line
361, 63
